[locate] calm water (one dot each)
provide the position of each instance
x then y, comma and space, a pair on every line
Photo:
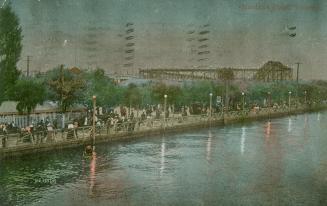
281, 163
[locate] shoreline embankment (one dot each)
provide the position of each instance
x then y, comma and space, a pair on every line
157, 128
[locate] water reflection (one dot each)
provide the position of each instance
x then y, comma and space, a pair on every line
289, 128
272, 164
242, 139
92, 177
162, 155
305, 119
318, 116
278, 167
306, 127
267, 129
208, 156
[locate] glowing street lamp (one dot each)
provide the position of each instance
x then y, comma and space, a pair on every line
210, 95
243, 101
165, 105
305, 98
289, 100
269, 104
94, 98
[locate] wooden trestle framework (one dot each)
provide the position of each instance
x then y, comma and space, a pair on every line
212, 74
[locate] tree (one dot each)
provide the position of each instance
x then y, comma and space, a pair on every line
146, 96
319, 91
102, 87
257, 92
28, 94
197, 92
66, 87
226, 75
132, 96
10, 50
159, 90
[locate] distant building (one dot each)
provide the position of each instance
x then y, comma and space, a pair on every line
274, 71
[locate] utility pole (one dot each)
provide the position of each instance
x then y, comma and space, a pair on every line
297, 82
28, 66
297, 71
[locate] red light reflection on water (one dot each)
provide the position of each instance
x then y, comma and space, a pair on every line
272, 163
267, 130
92, 173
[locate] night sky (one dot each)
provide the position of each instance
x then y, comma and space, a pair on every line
124, 35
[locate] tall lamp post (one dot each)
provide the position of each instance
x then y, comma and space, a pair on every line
165, 105
210, 107
223, 110
243, 101
305, 98
289, 101
269, 104
94, 98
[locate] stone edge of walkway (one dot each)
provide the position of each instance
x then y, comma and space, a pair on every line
6, 153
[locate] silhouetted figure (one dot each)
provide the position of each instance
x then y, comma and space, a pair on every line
88, 151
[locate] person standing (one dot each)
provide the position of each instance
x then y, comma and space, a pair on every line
32, 133
4, 138
75, 129
50, 132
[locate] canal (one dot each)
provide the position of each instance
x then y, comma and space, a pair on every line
283, 162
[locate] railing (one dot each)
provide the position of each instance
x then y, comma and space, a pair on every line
110, 130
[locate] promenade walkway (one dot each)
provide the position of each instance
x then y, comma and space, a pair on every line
83, 135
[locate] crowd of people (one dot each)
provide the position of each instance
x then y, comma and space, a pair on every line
114, 120
117, 119
126, 119
34, 132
